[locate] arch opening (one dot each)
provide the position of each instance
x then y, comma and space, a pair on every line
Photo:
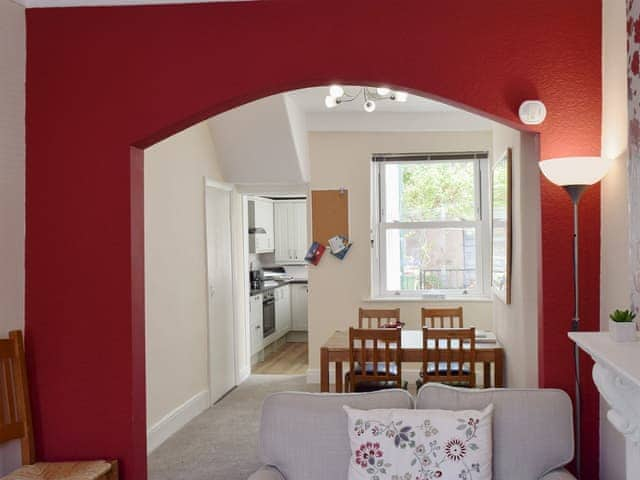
432, 127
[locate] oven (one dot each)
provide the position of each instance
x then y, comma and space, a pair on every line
268, 314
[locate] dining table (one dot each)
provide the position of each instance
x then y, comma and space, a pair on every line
336, 350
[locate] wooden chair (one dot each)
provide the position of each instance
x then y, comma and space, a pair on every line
442, 317
16, 424
368, 318
374, 359
449, 356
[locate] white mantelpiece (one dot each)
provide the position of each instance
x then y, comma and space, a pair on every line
617, 376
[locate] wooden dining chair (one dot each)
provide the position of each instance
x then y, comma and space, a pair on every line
374, 359
369, 318
448, 356
442, 317
16, 423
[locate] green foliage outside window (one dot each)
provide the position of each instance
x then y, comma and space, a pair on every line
437, 191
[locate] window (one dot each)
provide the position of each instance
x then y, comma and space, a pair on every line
430, 224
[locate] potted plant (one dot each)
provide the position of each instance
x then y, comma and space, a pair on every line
622, 326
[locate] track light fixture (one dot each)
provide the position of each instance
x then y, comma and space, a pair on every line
338, 95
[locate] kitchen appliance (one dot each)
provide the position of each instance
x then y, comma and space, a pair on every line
268, 314
256, 279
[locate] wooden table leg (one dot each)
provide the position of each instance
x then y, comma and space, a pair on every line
486, 373
324, 369
339, 377
499, 369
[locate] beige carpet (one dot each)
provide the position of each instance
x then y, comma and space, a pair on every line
222, 442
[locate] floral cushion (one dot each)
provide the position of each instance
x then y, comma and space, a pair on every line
397, 444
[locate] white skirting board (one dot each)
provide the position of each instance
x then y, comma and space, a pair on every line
243, 374
176, 419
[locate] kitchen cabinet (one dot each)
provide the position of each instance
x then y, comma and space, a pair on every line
290, 224
283, 308
261, 216
299, 309
255, 322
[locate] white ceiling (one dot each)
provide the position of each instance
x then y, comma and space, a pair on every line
106, 3
312, 100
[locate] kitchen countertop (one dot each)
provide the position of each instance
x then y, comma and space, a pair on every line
280, 283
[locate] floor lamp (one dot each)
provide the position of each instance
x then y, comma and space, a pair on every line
575, 175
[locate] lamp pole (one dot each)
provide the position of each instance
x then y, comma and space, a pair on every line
575, 192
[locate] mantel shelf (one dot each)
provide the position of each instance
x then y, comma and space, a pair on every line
623, 358
616, 373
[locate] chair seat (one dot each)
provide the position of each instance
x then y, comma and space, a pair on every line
61, 471
382, 368
442, 369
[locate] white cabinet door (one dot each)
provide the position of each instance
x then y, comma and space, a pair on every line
281, 228
291, 230
299, 318
299, 215
263, 209
283, 309
286, 308
255, 324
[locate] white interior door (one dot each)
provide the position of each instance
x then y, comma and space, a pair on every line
222, 367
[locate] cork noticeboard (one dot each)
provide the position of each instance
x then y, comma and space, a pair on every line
330, 214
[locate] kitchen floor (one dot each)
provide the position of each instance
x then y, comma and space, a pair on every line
290, 358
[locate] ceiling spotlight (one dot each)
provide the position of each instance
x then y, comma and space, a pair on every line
401, 96
330, 101
336, 91
339, 95
369, 106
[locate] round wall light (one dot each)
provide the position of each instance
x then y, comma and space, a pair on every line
532, 112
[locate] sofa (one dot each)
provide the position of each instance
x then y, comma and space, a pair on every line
303, 436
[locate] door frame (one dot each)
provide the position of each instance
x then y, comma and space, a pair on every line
229, 189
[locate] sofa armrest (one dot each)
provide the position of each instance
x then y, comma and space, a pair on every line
269, 473
560, 474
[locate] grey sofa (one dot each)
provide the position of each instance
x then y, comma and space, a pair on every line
303, 436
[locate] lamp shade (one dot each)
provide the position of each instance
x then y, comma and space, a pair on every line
565, 171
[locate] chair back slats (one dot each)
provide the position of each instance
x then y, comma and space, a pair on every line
442, 317
375, 348
449, 355
15, 411
369, 318
8, 399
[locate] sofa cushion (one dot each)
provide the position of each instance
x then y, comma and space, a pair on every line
305, 434
532, 428
420, 444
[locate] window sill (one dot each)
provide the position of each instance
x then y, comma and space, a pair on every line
447, 299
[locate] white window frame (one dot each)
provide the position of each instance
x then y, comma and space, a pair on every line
481, 224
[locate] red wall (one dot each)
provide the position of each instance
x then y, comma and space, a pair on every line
100, 80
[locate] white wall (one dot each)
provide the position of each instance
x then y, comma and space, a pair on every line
12, 171
175, 271
338, 288
259, 143
516, 325
615, 290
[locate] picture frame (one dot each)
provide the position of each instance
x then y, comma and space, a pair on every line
501, 226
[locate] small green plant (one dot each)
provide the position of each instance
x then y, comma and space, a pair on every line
622, 316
